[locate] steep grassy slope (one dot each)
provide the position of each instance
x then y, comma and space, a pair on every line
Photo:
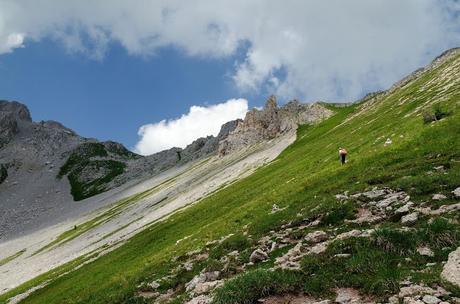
303, 180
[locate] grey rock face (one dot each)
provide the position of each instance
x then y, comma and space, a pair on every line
12, 115
270, 122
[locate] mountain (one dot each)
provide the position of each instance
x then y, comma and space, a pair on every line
44, 166
298, 228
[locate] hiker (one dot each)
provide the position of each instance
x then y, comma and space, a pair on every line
342, 155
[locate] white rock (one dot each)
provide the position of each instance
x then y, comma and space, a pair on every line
154, 285
188, 266
408, 300
456, 192
258, 255
316, 236
275, 208
341, 197
439, 197
200, 300
206, 287
347, 295
404, 209
372, 193
428, 299
425, 251
388, 142
409, 219
451, 270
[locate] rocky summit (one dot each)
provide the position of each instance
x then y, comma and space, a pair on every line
270, 122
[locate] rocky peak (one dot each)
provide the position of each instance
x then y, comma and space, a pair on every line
15, 109
271, 103
12, 114
270, 122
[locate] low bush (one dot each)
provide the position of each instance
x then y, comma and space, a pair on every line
253, 285
438, 112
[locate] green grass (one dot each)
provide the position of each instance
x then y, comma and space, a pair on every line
303, 179
81, 159
11, 257
84, 189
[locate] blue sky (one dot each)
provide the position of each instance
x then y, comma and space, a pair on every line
109, 99
164, 68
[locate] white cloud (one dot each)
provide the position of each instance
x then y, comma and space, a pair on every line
198, 122
296, 48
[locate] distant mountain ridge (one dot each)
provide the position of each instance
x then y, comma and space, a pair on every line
43, 164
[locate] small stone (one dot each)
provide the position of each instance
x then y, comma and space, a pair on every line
154, 285
203, 299
409, 219
347, 295
188, 266
456, 192
404, 209
393, 300
341, 197
316, 236
388, 142
408, 300
428, 299
258, 255
342, 255
425, 251
439, 197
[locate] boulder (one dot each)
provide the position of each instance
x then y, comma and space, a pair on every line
316, 236
451, 270
456, 192
404, 209
258, 255
429, 299
438, 197
425, 251
202, 299
409, 219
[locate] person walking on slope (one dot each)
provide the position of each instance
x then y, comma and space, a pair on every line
342, 155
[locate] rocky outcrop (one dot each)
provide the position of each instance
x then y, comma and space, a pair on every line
270, 122
451, 270
12, 115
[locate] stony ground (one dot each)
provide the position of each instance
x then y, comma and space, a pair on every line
310, 237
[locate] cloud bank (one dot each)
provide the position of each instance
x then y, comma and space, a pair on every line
330, 49
198, 122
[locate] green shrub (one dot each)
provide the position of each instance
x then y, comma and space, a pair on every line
438, 112
338, 214
81, 190
395, 241
368, 267
253, 285
440, 233
237, 242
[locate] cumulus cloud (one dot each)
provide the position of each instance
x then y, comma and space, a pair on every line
200, 121
296, 48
